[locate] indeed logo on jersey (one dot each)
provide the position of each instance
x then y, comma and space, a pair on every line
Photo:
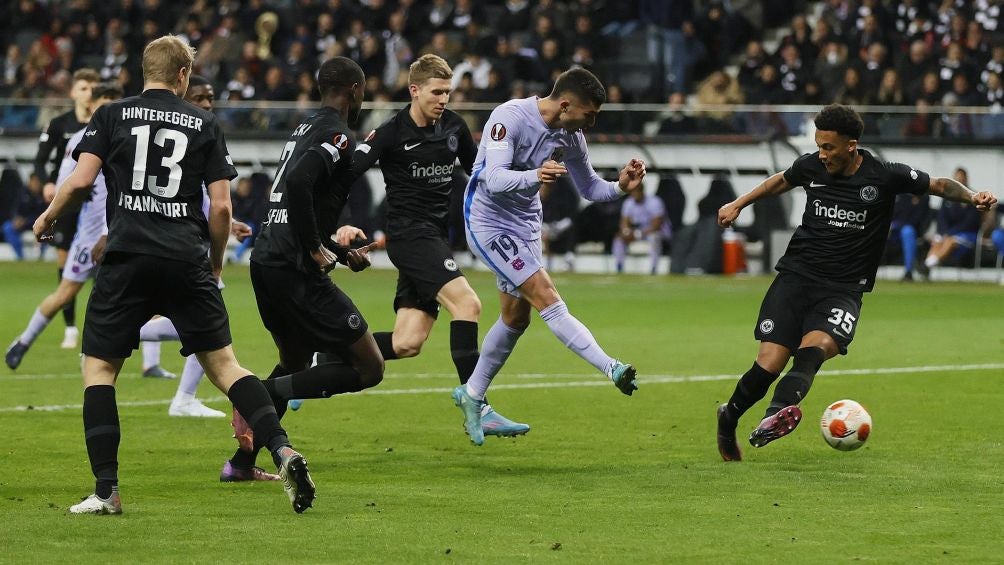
435, 173
840, 217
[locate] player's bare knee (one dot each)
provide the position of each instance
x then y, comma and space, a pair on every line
407, 347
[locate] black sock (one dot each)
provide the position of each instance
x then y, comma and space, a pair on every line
250, 398
70, 309
464, 347
793, 387
751, 387
246, 459
321, 381
385, 341
101, 434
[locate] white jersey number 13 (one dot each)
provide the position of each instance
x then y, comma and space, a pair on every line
169, 162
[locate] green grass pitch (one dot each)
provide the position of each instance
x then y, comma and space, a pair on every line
600, 478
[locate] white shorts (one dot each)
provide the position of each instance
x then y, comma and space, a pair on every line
513, 260
79, 262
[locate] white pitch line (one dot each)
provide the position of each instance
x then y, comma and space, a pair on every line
597, 381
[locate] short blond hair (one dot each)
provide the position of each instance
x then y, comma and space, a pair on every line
162, 58
90, 75
429, 66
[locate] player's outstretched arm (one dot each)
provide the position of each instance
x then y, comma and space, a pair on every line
220, 217
774, 184
952, 189
74, 190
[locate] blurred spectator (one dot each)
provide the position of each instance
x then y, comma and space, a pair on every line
753, 60
890, 92
914, 65
496, 91
585, 35
874, 66
550, 63
515, 17
276, 87
474, 65
672, 46
440, 44
958, 224
802, 38
676, 121
930, 89
923, 124
910, 218
718, 89
643, 218
994, 65
398, 50
831, 66
871, 32
793, 72
953, 63
853, 91
614, 121
768, 90
24, 204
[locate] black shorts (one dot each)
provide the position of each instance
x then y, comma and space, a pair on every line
795, 306
425, 264
65, 229
306, 309
129, 289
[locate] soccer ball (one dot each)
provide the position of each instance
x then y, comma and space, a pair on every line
846, 425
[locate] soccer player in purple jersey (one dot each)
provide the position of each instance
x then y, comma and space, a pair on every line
528, 143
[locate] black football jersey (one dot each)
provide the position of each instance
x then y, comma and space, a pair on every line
157, 152
417, 164
327, 135
846, 219
55, 137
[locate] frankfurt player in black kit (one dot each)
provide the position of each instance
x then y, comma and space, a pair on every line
304, 311
811, 310
51, 147
418, 149
163, 256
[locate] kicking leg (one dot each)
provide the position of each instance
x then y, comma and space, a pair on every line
540, 292
752, 387
783, 413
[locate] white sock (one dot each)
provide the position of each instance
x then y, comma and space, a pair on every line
151, 354
931, 261
36, 325
575, 335
190, 377
496, 348
158, 329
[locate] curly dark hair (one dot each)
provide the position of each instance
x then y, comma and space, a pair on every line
841, 119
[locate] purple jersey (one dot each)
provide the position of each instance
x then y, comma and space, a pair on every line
641, 214
503, 192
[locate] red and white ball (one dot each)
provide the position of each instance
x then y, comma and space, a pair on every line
846, 425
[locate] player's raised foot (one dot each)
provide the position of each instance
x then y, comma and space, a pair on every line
231, 474
471, 407
728, 447
242, 431
193, 408
495, 424
776, 426
623, 376
158, 372
295, 404
15, 353
296, 479
94, 504
70, 336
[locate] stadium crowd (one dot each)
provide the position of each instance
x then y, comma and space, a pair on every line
918, 53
